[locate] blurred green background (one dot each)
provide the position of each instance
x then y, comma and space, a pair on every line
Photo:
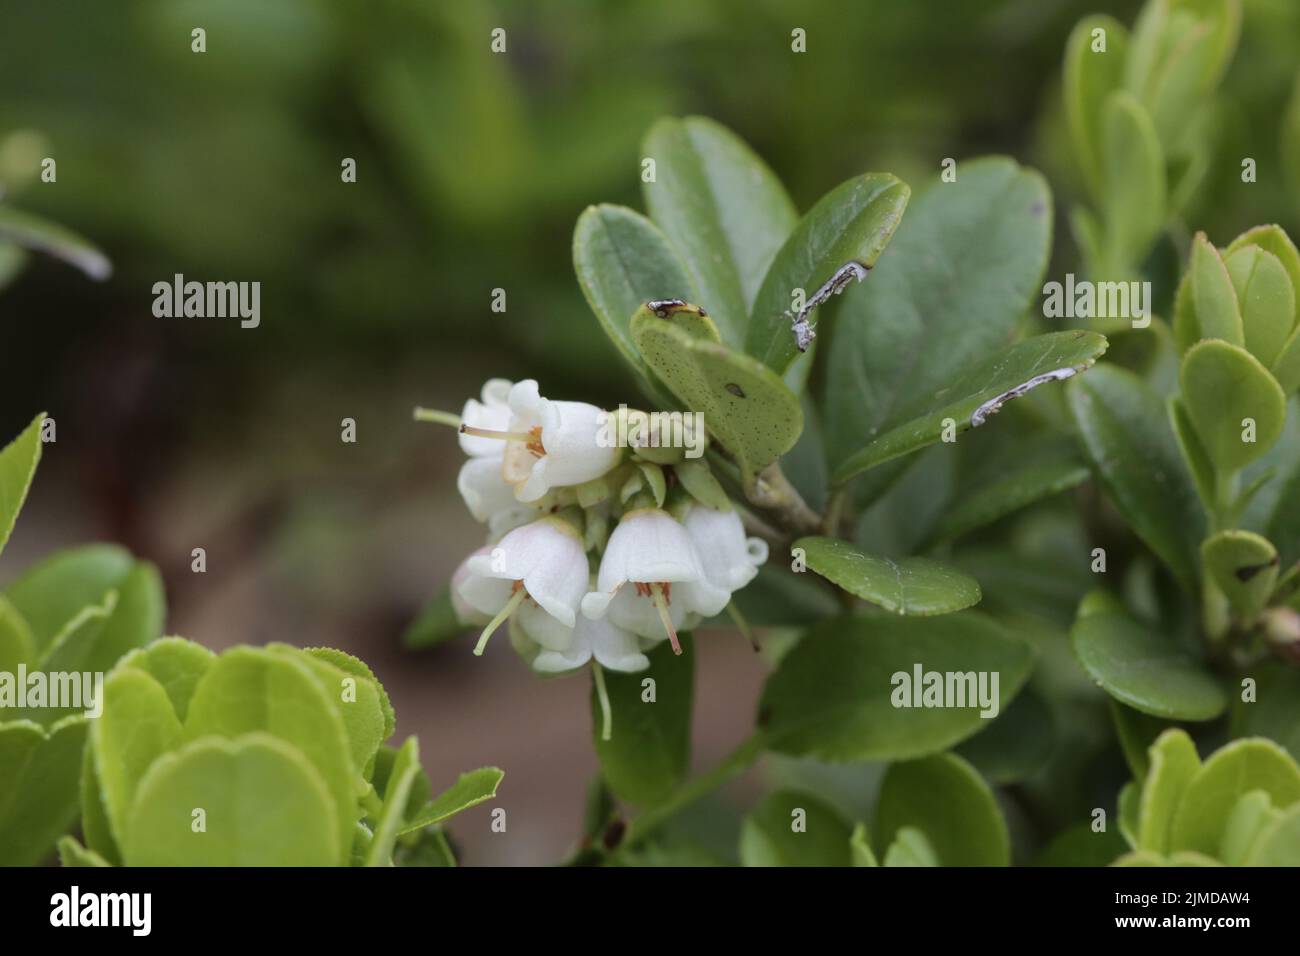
472, 168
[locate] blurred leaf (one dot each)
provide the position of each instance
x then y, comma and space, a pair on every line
1081, 846
1173, 762
1250, 816
1266, 299
794, 829
964, 265
38, 804
1017, 743
1137, 732
436, 623
944, 798
852, 223
911, 848
1141, 667
1223, 385
831, 695
264, 803
860, 847
397, 792
1193, 452
1089, 77
977, 393
73, 854
1244, 566
1126, 435
649, 750
469, 790
18, 461
1278, 844
779, 597
1230, 772
917, 586
1275, 712
1133, 177
49, 594
745, 405
48, 237
723, 209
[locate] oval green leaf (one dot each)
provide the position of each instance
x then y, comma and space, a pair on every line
917, 586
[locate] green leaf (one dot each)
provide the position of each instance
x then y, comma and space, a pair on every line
1129, 803
73, 854
16, 643
1250, 816
1266, 299
911, 848
977, 393
1244, 566
95, 826
1081, 846
1228, 774
649, 749
1134, 188
965, 264
1126, 435
722, 208
831, 696
1213, 298
745, 405
38, 802
850, 226
1173, 762
401, 780
1222, 386
264, 804
470, 789
137, 727
176, 664
1279, 843
1275, 712
253, 689
794, 829
358, 697
698, 480
623, 261
1273, 240
435, 624
1189, 443
18, 461
860, 853
946, 799
1048, 469
134, 619
32, 232
1136, 732
1089, 78
1142, 668
51, 593
917, 586
1017, 743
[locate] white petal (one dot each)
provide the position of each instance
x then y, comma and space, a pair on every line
465, 612
729, 559
548, 556
648, 546
526, 404
492, 413
485, 594
544, 629
637, 613
484, 490
614, 647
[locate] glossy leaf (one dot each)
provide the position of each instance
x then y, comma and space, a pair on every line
852, 223
794, 829
917, 586
745, 405
948, 292
1017, 743
1142, 668
1089, 77
623, 261
1225, 388
722, 208
978, 393
946, 799
649, 749
831, 696
1127, 437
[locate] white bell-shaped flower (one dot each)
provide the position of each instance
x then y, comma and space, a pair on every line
543, 562
730, 559
609, 644
491, 414
489, 497
653, 553
567, 443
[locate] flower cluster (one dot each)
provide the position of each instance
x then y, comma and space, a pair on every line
594, 552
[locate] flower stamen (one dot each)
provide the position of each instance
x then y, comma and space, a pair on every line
516, 599
477, 432
659, 594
